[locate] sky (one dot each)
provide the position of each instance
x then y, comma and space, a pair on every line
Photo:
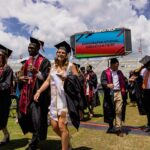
54, 21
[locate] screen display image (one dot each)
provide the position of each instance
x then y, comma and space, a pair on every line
101, 44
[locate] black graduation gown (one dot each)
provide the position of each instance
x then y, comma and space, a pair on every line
82, 80
108, 104
75, 98
5, 98
137, 87
93, 83
35, 121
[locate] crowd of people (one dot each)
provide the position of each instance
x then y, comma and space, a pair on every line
63, 91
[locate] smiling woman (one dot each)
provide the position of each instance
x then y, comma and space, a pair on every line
60, 110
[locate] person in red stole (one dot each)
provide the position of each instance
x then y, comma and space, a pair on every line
32, 115
145, 73
113, 83
6, 79
90, 86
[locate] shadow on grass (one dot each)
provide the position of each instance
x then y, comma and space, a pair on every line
98, 115
83, 148
15, 144
56, 145
50, 144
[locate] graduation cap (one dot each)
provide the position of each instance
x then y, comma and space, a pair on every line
5, 50
145, 60
63, 45
37, 42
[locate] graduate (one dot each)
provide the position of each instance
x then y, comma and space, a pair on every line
6, 81
65, 103
113, 83
32, 115
145, 73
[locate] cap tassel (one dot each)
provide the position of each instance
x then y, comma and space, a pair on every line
41, 46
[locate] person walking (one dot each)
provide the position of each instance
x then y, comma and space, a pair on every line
113, 83
62, 75
32, 116
6, 84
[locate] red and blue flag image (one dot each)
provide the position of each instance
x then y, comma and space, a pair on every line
98, 44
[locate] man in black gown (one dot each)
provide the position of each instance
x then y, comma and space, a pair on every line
6, 78
33, 115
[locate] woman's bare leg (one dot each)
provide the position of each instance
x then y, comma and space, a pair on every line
55, 127
64, 132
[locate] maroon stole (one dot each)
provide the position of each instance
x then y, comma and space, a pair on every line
121, 79
1, 71
91, 92
27, 90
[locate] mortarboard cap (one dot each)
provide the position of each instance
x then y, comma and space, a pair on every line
5, 50
63, 45
36, 41
145, 60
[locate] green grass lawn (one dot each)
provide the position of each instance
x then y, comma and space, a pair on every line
86, 139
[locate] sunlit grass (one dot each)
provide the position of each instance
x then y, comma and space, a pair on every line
86, 139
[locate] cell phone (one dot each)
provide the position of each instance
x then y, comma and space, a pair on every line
59, 75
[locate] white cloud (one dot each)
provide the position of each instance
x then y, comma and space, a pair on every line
53, 24
17, 43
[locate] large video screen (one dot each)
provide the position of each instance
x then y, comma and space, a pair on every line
102, 44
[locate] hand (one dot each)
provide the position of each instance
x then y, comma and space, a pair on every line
111, 86
132, 79
24, 78
36, 96
62, 77
32, 69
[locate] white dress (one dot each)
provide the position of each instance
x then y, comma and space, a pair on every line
58, 99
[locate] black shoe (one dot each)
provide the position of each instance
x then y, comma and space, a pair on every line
120, 133
111, 130
147, 129
4, 142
